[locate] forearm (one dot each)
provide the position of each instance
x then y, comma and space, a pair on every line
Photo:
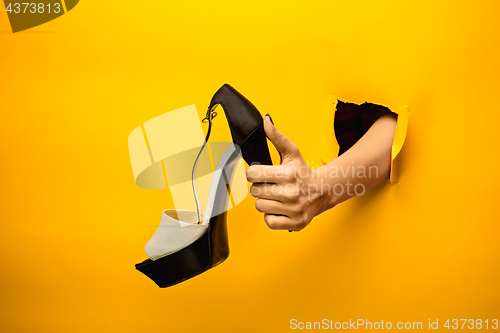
363, 166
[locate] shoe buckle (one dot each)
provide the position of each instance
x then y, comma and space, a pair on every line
211, 114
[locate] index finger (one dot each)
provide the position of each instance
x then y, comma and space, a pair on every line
264, 173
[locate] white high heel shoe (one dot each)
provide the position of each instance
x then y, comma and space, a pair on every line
187, 242
190, 242
180, 228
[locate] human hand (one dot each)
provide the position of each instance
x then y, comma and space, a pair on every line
288, 194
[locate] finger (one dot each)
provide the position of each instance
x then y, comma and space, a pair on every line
279, 222
287, 149
267, 191
271, 207
265, 174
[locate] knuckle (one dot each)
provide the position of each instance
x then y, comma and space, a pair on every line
287, 197
303, 202
289, 173
301, 223
276, 190
294, 197
299, 208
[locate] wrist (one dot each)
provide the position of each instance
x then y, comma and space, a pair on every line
325, 196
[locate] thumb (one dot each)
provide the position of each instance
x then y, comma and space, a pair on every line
287, 149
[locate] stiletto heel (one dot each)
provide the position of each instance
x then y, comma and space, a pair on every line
245, 123
188, 243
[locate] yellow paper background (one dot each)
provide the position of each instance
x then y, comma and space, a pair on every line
74, 222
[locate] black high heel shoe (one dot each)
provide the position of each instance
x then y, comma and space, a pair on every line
245, 122
212, 247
